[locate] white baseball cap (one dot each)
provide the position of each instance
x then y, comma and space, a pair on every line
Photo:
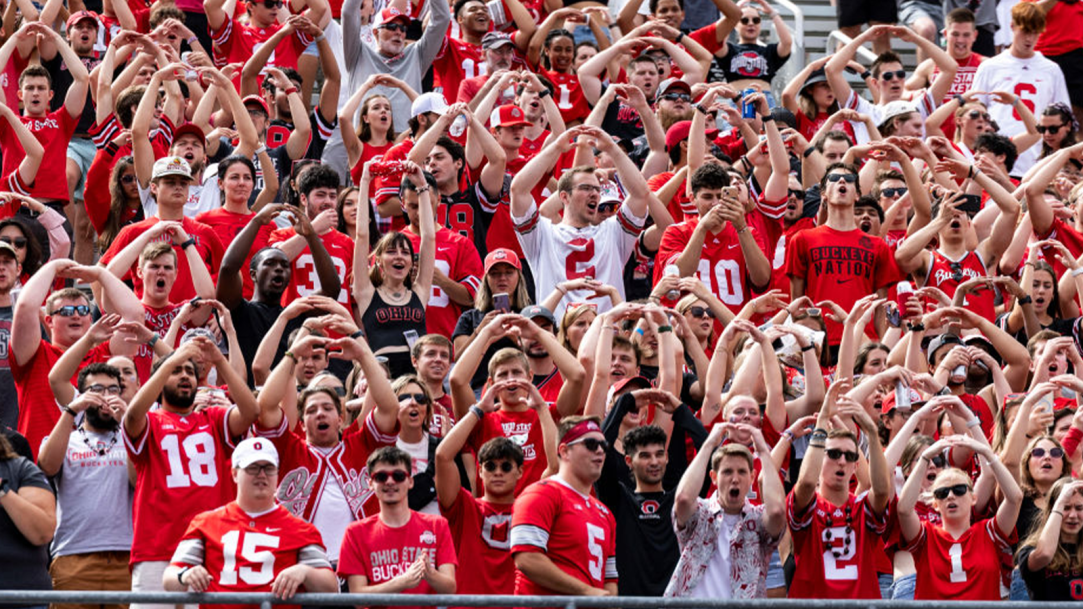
171, 166
254, 450
429, 102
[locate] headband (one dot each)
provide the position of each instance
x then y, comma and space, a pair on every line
581, 429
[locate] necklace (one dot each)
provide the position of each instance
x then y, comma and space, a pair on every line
99, 447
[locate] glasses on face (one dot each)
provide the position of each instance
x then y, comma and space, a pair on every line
272, 4
397, 475
1043, 129
394, 27
256, 469
956, 489
798, 194
590, 188
72, 311
607, 207
835, 453
591, 444
850, 178
109, 389
939, 461
127, 178
890, 76
894, 192
748, 20
505, 466
1056, 452
420, 398
976, 114
698, 311
678, 97
17, 242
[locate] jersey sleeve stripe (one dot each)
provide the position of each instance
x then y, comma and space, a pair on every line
529, 224
472, 283
530, 535
277, 432
223, 35
226, 434
136, 448
800, 520
629, 224
313, 556
380, 436
487, 205
497, 14
325, 129
15, 184
189, 552
611, 568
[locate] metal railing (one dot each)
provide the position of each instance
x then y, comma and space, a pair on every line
866, 56
266, 601
798, 54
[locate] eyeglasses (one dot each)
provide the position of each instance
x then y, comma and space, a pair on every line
958, 490
398, 476
127, 178
589, 188
591, 444
701, 312
893, 192
890, 76
836, 453
505, 466
799, 194
19, 242
976, 114
72, 311
1043, 129
939, 461
607, 207
1056, 452
420, 398
677, 97
748, 20
394, 27
835, 177
273, 3
256, 469
110, 389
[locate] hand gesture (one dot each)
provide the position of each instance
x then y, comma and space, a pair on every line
197, 579
288, 581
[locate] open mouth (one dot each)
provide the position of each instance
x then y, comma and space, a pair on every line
323, 426
160, 284
865, 226
398, 266
1052, 368
956, 225
592, 206
843, 189
930, 476
1046, 467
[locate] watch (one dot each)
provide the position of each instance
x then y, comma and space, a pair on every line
190, 242
180, 575
1025, 300
357, 334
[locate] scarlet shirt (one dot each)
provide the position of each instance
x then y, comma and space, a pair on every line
236, 42
779, 279
1064, 24
381, 553
969, 568
457, 258
680, 205
576, 532
158, 321
54, 131
305, 281
369, 152
820, 532
482, 531
456, 61
964, 79
569, 96
227, 225
206, 241
1068, 236
947, 274
245, 552
182, 464
840, 266
524, 429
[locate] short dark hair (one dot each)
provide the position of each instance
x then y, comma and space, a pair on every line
163, 12
96, 368
641, 59
501, 448
883, 176
35, 71
709, 175
835, 134
653, 4
996, 143
390, 455
870, 201
127, 102
408, 184
311, 391
960, 15
455, 149
293, 75
459, 4
620, 342
849, 167
643, 436
886, 57
320, 176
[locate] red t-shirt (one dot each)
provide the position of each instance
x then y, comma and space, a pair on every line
481, 530
54, 131
969, 568
388, 186
227, 225
947, 275
1064, 26
569, 96
577, 532
455, 62
680, 205
524, 429
305, 281
182, 464
834, 554
808, 127
779, 279
236, 42
207, 243
457, 258
369, 152
158, 321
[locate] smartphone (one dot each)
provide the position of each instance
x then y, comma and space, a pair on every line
502, 302
971, 204
902, 396
1045, 404
411, 338
729, 192
894, 317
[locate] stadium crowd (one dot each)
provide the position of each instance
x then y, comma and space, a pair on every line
537, 297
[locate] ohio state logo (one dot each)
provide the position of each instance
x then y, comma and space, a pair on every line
749, 64
649, 506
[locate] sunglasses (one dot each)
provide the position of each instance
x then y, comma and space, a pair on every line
677, 97
397, 475
799, 194
939, 461
127, 178
1056, 452
256, 469
890, 76
19, 242
835, 177
607, 207
273, 3
1043, 129
892, 192
110, 389
958, 490
420, 398
835, 453
591, 444
701, 312
394, 27
975, 114
748, 20
505, 466
72, 311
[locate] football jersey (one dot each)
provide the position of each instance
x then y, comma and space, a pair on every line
969, 568
560, 252
227, 225
680, 206
481, 530
206, 241
182, 464
457, 258
947, 274
524, 428
834, 548
964, 79
304, 280
54, 131
1037, 81
157, 320
237, 42
245, 552
456, 61
721, 263
569, 96
576, 532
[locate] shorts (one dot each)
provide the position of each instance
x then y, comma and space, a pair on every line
886, 585
860, 12
912, 10
147, 577
312, 49
776, 578
82, 151
91, 571
1071, 63
904, 588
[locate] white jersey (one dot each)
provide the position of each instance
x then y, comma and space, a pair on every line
1037, 81
922, 100
559, 252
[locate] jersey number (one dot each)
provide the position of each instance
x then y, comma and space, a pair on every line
250, 554
1029, 90
438, 297
955, 552
727, 279
565, 97
576, 265
198, 450
834, 540
596, 563
305, 266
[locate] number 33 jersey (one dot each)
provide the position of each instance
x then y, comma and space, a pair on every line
577, 532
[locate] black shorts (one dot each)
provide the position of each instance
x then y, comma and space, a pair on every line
860, 12
1071, 64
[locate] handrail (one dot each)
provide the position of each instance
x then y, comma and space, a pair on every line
836, 35
797, 31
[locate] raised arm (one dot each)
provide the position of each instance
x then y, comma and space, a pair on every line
686, 500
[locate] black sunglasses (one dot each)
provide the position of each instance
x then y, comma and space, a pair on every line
677, 97
891, 192
127, 178
835, 177
800, 194
1043, 129
505, 466
835, 453
939, 461
395, 27
591, 444
957, 489
1056, 452
397, 475
72, 310
748, 20
420, 398
607, 207
273, 3
889, 76
974, 114
701, 312
19, 242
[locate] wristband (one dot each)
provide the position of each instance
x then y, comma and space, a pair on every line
677, 40
477, 412
700, 108
959, 100
192, 40
322, 36
190, 242
970, 173
180, 575
68, 409
358, 334
1025, 300
945, 390
918, 327
788, 435
816, 445
290, 355
261, 150
972, 423
1077, 272
866, 75
291, 90
808, 151
664, 329
807, 348
421, 189
153, 340
545, 92
745, 229
767, 118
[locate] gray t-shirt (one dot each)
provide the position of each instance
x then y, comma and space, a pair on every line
88, 478
25, 565
9, 401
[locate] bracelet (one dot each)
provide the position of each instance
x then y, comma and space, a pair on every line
945, 390
291, 90
358, 334
959, 100
1061, 514
926, 459
788, 435
190, 242
180, 575
746, 164
918, 327
972, 423
192, 40
153, 340
819, 431
700, 108
477, 412
612, 25
260, 150
807, 348
421, 189
664, 329
766, 118
322, 36
808, 151
866, 75
744, 229
816, 445
545, 92
68, 410
1025, 300
1077, 272
970, 174
290, 355
677, 40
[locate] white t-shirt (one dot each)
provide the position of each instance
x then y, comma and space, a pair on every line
332, 516
922, 100
419, 451
716, 580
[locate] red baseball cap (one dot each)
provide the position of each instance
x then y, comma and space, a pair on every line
390, 14
256, 99
508, 115
78, 16
502, 255
641, 383
190, 129
889, 401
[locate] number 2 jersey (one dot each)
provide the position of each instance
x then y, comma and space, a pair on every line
182, 467
577, 532
245, 552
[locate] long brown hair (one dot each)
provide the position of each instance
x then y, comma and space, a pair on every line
118, 203
7, 451
391, 240
1062, 562
1026, 480
364, 130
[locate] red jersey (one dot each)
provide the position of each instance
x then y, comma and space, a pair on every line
388, 186
721, 264
1067, 235
457, 258
779, 279
808, 127
680, 206
482, 531
840, 266
158, 321
183, 468
245, 552
964, 80
525, 430
834, 547
207, 243
456, 61
54, 131
140, 10
381, 553
305, 281
569, 96
577, 532
947, 274
227, 225
970, 568
531, 147
237, 42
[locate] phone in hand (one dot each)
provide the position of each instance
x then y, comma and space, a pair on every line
502, 302
971, 204
729, 192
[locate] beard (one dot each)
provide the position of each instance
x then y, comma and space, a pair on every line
98, 421
176, 399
